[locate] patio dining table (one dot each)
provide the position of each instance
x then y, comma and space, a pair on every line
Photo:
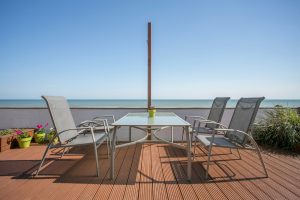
151, 126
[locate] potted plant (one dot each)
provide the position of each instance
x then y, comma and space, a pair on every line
39, 135
152, 111
50, 136
23, 138
7, 137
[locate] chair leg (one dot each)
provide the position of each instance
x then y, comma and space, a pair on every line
63, 153
239, 153
262, 162
108, 146
208, 162
195, 144
42, 161
96, 157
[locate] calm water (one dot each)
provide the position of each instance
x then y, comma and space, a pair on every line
202, 103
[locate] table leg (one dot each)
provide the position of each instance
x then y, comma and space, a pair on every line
172, 134
112, 155
188, 140
129, 133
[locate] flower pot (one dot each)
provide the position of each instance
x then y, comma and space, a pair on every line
39, 137
24, 142
7, 142
50, 136
151, 112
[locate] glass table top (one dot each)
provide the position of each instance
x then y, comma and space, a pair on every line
143, 119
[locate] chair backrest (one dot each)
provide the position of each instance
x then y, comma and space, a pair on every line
243, 117
217, 110
61, 117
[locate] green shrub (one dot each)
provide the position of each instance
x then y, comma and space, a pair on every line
280, 129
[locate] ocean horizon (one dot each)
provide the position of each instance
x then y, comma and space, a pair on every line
140, 103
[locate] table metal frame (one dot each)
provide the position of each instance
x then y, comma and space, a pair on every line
150, 131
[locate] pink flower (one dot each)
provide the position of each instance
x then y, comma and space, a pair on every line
39, 126
46, 124
19, 132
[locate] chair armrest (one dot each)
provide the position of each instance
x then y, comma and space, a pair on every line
105, 116
96, 123
226, 129
193, 117
210, 122
88, 123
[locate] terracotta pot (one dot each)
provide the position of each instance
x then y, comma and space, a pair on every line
8, 142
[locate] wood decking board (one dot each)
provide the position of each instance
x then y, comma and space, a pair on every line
119, 186
148, 171
172, 187
73, 191
275, 182
186, 189
91, 188
106, 187
24, 188
197, 183
159, 187
251, 172
145, 191
132, 185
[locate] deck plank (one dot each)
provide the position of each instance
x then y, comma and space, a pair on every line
119, 186
145, 191
147, 171
172, 187
133, 186
159, 186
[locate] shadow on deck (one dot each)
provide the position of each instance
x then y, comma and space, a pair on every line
155, 171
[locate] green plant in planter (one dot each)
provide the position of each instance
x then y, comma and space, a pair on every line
40, 134
6, 132
23, 138
50, 136
152, 111
280, 129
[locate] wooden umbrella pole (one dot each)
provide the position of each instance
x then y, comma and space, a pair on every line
149, 65
149, 75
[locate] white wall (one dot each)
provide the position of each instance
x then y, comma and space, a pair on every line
30, 117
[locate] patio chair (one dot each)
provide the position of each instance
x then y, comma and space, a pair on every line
236, 136
68, 134
215, 115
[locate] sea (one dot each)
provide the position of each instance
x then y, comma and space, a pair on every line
140, 103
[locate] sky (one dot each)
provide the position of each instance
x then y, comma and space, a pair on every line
200, 49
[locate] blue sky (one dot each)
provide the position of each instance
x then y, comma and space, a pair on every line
98, 49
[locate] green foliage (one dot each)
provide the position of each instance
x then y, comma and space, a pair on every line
5, 132
280, 129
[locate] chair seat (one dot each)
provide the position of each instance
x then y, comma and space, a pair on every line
219, 141
84, 139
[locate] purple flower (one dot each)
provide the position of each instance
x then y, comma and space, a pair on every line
39, 126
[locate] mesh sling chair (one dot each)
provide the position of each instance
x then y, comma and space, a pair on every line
68, 134
215, 115
236, 136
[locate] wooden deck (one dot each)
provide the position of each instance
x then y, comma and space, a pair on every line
149, 171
